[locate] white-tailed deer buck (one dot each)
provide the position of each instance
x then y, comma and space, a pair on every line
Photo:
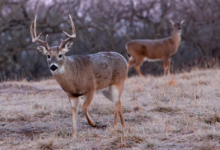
82, 75
154, 50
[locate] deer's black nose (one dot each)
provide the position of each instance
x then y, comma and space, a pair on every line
53, 67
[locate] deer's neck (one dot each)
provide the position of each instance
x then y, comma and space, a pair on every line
73, 80
68, 76
176, 37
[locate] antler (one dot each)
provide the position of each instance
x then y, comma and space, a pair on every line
63, 42
35, 38
171, 21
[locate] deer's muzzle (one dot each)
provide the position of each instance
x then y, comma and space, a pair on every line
53, 67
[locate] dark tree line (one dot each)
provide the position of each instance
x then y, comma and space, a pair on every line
104, 26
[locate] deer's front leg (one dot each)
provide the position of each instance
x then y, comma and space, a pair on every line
74, 107
88, 100
166, 65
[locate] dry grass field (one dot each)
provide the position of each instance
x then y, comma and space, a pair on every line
179, 111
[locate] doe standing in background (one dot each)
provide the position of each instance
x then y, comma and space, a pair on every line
154, 50
82, 75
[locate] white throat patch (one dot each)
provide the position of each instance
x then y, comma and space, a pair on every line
179, 33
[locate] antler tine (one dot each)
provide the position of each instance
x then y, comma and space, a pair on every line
31, 28
63, 42
182, 21
73, 29
72, 25
71, 36
35, 38
35, 20
46, 38
171, 21
48, 47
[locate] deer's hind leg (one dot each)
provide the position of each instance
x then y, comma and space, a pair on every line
113, 93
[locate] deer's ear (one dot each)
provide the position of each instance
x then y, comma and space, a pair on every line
42, 50
171, 21
182, 22
67, 47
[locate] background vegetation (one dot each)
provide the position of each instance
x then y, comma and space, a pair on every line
104, 26
179, 111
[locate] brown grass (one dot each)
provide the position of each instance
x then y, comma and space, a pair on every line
166, 109
46, 145
179, 111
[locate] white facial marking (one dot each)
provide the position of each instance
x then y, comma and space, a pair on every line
60, 70
54, 65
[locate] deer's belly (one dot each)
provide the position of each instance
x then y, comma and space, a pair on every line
151, 60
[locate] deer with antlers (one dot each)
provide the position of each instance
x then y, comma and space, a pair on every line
154, 50
80, 75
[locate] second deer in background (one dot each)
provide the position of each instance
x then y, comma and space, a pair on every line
154, 50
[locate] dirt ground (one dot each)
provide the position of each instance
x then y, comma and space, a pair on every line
179, 111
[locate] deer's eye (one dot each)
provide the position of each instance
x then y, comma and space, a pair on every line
60, 55
48, 56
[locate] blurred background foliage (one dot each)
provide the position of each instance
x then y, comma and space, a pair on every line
105, 25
